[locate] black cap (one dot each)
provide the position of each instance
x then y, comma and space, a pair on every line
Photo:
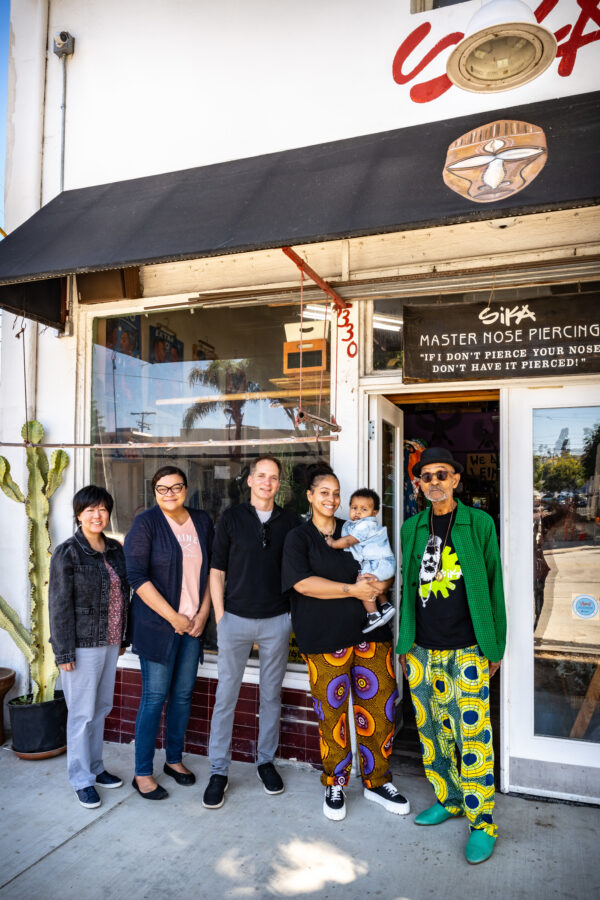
436, 455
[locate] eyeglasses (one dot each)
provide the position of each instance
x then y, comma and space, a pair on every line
266, 535
170, 489
441, 475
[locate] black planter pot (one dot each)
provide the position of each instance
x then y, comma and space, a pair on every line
39, 730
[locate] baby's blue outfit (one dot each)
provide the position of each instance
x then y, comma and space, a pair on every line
373, 552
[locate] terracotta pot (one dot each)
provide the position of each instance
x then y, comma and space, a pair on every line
39, 730
7, 679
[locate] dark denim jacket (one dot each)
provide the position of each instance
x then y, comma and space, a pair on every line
78, 595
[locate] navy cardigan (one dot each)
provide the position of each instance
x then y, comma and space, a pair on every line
152, 553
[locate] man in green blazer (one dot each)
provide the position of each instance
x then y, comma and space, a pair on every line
451, 641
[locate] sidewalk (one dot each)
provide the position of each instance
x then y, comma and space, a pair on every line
267, 847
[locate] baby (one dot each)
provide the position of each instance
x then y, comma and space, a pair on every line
368, 543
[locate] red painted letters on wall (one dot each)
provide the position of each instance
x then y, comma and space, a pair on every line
572, 37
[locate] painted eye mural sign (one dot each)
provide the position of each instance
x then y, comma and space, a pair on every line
548, 336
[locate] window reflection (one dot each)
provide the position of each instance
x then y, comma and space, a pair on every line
216, 374
221, 374
566, 576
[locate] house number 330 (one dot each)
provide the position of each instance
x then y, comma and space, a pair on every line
347, 329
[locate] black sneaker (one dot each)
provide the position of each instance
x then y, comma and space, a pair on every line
214, 795
334, 805
387, 612
374, 620
106, 780
270, 778
88, 797
388, 797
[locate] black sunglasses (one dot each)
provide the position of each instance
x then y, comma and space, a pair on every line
266, 535
441, 475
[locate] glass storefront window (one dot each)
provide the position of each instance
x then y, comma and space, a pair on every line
566, 576
387, 334
221, 374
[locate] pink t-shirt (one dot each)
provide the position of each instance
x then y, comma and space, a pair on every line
187, 536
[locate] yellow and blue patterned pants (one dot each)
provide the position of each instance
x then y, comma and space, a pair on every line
450, 693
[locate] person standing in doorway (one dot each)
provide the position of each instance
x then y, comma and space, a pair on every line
451, 641
245, 583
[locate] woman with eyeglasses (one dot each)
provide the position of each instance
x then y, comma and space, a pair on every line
168, 556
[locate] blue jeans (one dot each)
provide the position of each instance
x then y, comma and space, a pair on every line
172, 681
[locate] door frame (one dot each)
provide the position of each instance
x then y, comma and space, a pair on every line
382, 410
516, 485
523, 748
395, 388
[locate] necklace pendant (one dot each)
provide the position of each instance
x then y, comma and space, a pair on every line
439, 576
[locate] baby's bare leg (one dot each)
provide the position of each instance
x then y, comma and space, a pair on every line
370, 605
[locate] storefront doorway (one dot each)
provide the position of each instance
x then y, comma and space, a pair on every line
553, 664
401, 426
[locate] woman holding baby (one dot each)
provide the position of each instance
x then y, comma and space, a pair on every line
327, 594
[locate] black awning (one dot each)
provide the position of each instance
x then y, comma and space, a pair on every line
379, 183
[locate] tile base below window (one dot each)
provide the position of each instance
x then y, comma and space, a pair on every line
299, 735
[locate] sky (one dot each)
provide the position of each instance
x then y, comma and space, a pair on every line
4, 22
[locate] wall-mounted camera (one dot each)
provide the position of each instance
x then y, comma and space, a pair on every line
64, 44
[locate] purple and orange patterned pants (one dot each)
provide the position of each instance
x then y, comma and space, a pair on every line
366, 670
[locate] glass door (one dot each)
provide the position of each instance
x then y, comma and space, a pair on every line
553, 586
385, 477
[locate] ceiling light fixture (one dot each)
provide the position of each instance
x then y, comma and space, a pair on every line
503, 48
387, 323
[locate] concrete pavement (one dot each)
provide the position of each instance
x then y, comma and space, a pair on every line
259, 846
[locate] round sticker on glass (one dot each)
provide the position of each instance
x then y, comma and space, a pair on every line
585, 606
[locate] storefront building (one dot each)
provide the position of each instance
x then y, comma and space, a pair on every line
465, 249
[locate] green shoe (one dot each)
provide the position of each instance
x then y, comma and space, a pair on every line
435, 815
480, 847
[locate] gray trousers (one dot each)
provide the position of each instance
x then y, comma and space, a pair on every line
236, 635
89, 691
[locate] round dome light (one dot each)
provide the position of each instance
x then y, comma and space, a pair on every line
503, 48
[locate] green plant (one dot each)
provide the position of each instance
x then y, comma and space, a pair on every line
559, 473
42, 482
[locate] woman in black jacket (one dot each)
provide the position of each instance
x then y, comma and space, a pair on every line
88, 602
168, 553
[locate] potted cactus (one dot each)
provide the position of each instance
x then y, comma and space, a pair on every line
38, 720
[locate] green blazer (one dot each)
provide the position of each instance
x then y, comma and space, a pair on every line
474, 539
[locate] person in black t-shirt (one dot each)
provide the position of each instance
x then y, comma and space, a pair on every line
250, 607
328, 617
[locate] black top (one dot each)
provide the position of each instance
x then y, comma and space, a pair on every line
442, 613
324, 626
250, 553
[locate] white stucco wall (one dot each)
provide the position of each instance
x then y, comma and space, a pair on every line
155, 85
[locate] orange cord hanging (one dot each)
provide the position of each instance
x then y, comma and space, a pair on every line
340, 305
